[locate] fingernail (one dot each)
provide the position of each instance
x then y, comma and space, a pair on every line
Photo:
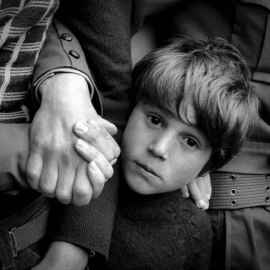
81, 127
185, 195
113, 161
94, 167
208, 197
82, 144
201, 204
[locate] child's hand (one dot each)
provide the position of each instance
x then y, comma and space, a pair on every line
98, 168
65, 256
200, 191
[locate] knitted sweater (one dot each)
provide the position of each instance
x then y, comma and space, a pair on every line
163, 231
23, 26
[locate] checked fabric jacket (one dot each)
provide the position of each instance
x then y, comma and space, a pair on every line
23, 26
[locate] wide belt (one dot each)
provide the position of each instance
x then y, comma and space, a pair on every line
234, 191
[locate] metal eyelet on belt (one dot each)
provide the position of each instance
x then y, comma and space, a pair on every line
233, 191
267, 189
267, 199
232, 177
233, 202
267, 176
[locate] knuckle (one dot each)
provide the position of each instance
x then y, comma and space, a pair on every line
95, 153
93, 134
82, 192
61, 149
114, 147
96, 178
110, 154
82, 202
37, 143
63, 196
98, 189
47, 189
33, 176
109, 172
117, 151
82, 195
97, 193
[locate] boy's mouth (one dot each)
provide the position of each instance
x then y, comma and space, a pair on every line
148, 169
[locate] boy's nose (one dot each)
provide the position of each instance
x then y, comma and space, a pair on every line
160, 147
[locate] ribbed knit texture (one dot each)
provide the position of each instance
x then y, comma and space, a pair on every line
159, 232
88, 226
23, 25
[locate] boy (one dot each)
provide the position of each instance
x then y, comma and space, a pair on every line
194, 108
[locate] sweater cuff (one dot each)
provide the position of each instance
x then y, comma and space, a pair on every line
94, 94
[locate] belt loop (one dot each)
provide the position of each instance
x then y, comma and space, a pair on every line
13, 242
228, 244
7, 253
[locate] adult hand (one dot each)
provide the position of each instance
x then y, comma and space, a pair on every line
54, 168
199, 190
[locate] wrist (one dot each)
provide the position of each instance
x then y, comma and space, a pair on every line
62, 85
67, 95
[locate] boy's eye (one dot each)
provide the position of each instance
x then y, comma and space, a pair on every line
191, 142
154, 120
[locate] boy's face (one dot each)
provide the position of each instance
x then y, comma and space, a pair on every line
161, 153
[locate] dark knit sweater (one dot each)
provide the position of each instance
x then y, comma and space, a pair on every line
23, 26
163, 231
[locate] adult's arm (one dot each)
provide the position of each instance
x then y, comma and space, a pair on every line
53, 167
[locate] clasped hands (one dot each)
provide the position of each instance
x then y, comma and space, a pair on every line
54, 168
